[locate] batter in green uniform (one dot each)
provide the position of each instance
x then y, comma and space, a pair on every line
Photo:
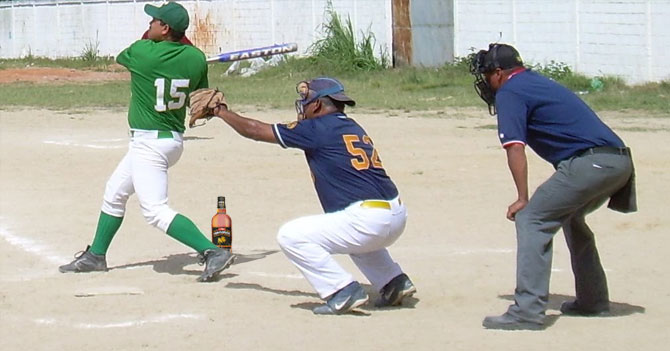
163, 73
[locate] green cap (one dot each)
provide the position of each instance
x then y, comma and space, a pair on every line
171, 13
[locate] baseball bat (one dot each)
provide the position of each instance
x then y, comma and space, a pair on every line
253, 53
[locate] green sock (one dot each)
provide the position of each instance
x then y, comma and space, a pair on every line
184, 231
107, 227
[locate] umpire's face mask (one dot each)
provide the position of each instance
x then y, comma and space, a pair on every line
478, 68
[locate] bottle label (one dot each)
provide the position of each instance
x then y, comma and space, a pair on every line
222, 237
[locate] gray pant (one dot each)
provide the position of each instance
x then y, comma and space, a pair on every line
578, 187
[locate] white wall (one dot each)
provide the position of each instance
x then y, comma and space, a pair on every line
63, 28
628, 38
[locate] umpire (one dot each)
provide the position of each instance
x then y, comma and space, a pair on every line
592, 164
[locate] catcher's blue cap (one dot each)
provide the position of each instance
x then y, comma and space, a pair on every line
331, 87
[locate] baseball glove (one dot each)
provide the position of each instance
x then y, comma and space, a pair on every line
203, 102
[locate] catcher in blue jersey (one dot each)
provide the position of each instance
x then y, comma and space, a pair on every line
363, 212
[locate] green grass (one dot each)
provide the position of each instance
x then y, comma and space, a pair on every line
409, 89
68, 96
341, 51
648, 97
86, 61
396, 89
341, 55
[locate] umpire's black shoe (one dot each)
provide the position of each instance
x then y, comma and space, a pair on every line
573, 308
216, 260
85, 261
507, 321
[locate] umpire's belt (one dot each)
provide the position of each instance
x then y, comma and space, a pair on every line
605, 150
154, 134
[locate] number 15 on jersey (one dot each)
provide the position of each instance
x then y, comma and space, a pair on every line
177, 98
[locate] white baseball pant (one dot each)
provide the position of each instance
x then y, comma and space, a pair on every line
143, 170
362, 233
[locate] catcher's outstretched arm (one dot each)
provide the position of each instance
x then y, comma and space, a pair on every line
247, 127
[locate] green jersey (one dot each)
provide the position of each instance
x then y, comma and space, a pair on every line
162, 75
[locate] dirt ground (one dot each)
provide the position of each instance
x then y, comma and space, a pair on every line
47, 75
458, 247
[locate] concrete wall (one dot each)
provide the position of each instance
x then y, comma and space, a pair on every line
628, 38
595, 37
63, 28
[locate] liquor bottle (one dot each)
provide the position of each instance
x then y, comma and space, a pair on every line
222, 226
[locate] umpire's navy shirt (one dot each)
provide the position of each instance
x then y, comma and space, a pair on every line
552, 120
332, 145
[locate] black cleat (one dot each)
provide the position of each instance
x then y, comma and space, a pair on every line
344, 300
85, 261
216, 260
394, 291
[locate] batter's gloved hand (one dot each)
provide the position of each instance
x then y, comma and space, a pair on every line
203, 102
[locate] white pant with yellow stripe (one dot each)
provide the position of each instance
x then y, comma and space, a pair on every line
363, 230
143, 170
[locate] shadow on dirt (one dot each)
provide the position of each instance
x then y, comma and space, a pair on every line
617, 309
408, 302
176, 264
254, 286
311, 305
